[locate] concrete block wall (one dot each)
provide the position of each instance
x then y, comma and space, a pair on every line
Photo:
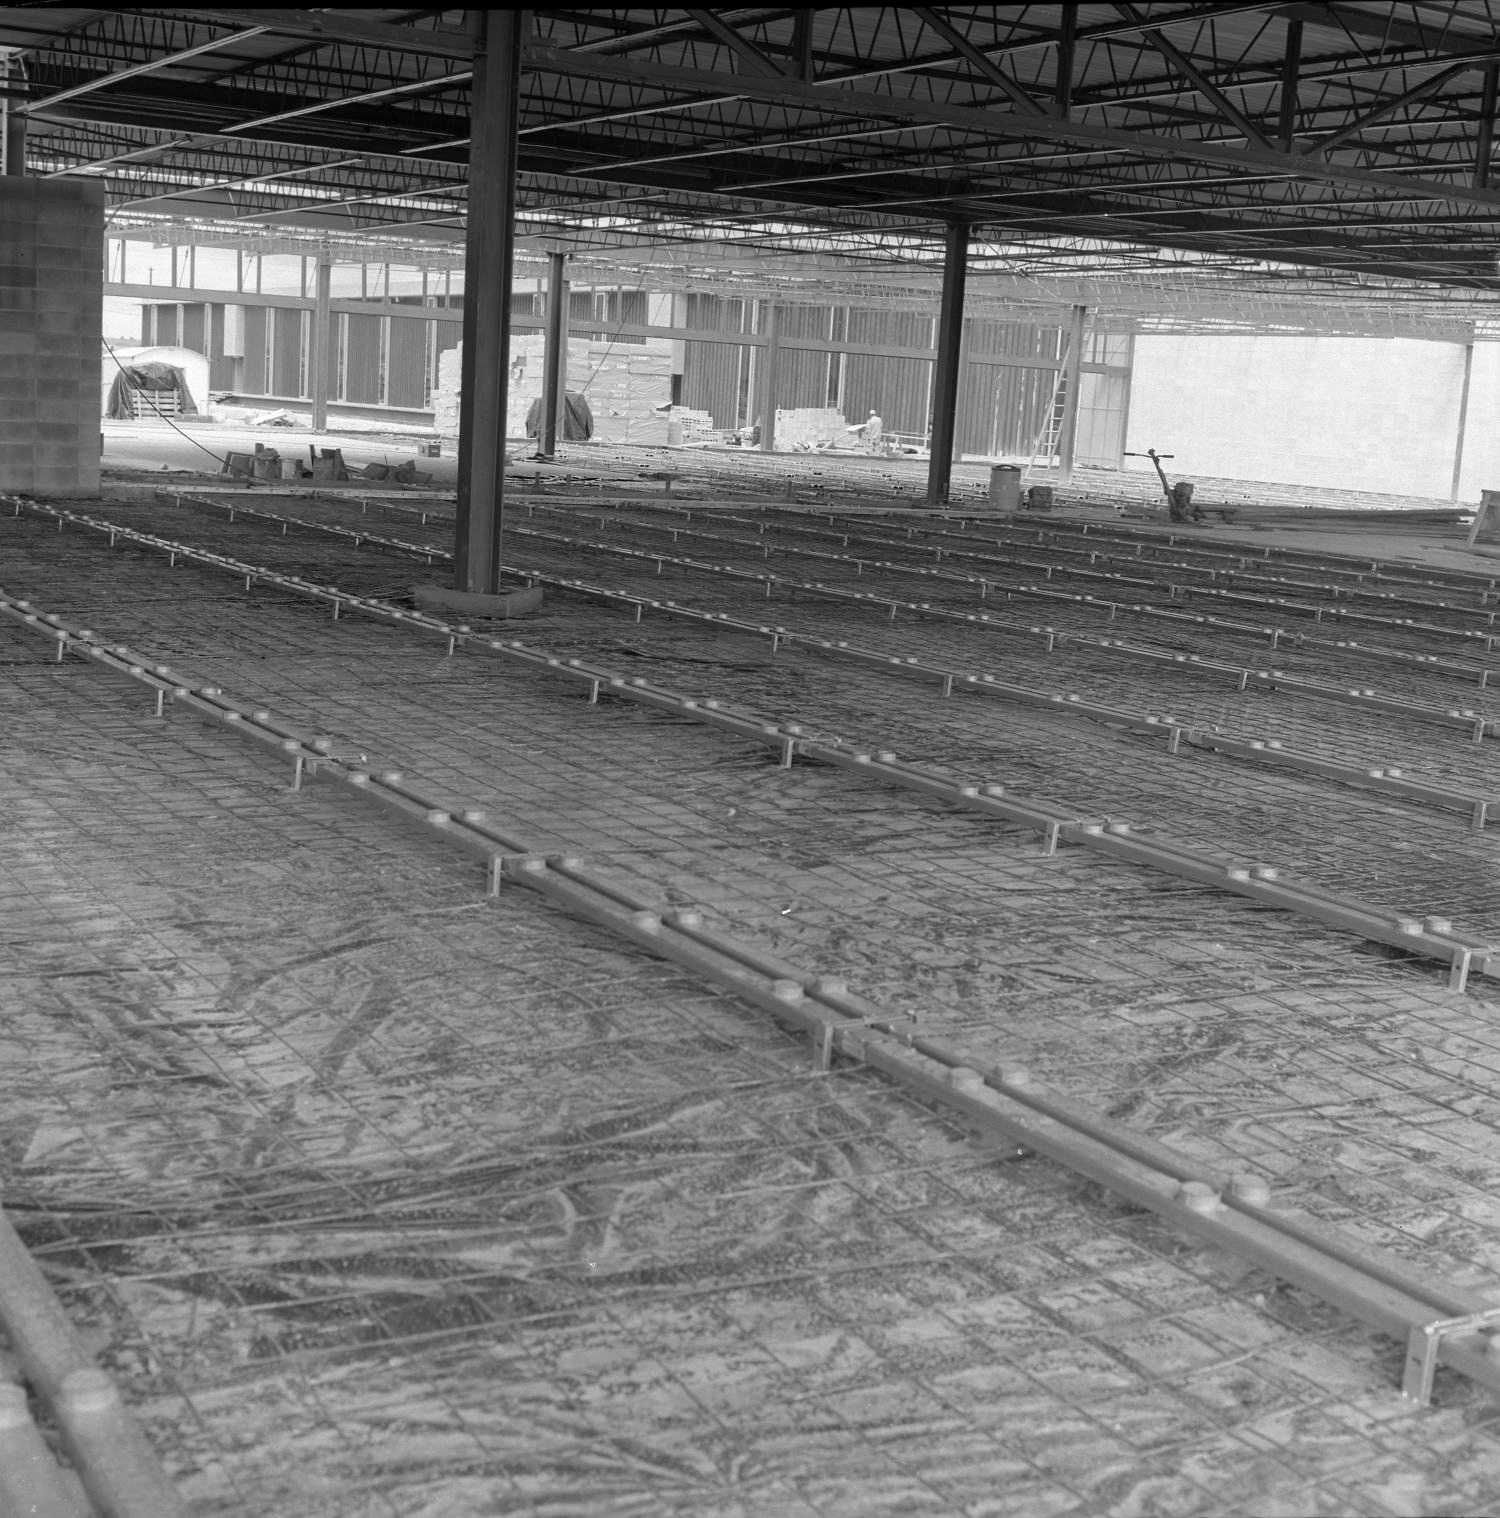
51, 306
1349, 413
1481, 457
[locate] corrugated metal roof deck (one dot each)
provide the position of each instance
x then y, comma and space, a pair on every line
1351, 138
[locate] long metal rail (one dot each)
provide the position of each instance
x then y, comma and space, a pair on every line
1471, 721
1441, 1323
1431, 937
118, 1468
1464, 718
1139, 584
1459, 717
796, 517
1235, 575
1148, 538
1133, 584
927, 537
1049, 539
1366, 776
1481, 581
1233, 578
1431, 663
32, 1483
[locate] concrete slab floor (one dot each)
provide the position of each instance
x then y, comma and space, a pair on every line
384, 1198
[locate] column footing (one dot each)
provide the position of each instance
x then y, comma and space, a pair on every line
517, 601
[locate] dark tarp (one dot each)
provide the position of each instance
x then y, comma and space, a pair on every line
147, 376
578, 420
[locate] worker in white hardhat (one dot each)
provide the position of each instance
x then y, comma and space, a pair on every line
869, 431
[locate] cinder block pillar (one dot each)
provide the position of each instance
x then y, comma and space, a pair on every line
51, 321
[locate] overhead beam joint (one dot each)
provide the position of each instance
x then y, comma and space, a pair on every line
761, 62
991, 71
1190, 70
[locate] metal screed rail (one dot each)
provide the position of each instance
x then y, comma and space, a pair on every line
233, 504
1277, 634
1380, 777
119, 1470
1429, 937
1464, 718
1440, 1323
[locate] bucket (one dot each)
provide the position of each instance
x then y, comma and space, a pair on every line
1005, 487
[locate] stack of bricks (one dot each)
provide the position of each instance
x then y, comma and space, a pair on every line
697, 426
626, 386
806, 427
447, 393
51, 307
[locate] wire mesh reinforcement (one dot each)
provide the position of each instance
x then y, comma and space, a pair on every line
1357, 1082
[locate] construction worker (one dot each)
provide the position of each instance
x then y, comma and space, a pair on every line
1180, 507
869, 432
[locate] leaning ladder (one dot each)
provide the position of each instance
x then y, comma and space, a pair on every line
1048, 436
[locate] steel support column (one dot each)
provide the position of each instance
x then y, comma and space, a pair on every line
1067, 37
1463, 422
1072, 382
768, 360
319, 377
554, 366
945, 374
1484, 144
15, 142
494, 97
560, 391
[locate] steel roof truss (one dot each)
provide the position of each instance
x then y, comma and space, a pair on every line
339, 26
991, 71
1185, 65
742, 46
151, 66
843, 101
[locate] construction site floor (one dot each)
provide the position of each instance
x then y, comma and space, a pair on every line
384, 1197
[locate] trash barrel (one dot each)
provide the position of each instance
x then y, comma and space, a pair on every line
1005, 487
1039, 498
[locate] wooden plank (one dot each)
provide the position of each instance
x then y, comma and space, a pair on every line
1486, 524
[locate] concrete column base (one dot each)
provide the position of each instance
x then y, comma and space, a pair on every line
521, 601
